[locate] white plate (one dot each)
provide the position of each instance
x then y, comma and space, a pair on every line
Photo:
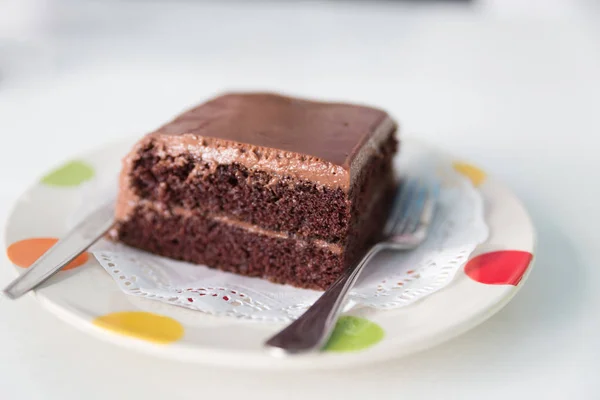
82, 295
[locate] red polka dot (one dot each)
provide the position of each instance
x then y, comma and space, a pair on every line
499, 267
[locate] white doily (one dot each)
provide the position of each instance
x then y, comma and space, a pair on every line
392, 280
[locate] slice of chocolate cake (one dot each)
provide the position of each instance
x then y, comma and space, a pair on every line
261, 185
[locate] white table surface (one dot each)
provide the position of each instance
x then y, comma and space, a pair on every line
516, 95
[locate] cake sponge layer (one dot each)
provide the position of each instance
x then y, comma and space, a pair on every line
240, 248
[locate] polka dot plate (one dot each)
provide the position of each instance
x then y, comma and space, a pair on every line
85, 296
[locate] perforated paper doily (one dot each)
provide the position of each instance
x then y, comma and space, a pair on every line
392, 280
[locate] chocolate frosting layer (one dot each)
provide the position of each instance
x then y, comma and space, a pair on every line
333, 132
322, 142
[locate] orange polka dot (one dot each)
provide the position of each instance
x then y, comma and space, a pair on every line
25, 252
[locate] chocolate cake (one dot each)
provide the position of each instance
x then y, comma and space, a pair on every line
262, 185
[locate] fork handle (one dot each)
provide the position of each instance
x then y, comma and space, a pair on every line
312, 329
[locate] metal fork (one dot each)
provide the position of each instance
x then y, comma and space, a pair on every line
407, 227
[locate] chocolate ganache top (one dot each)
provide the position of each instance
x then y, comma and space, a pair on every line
276, 132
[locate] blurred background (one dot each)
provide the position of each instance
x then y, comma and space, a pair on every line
458, 73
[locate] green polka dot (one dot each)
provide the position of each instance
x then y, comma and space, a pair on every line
71, 174
353, 333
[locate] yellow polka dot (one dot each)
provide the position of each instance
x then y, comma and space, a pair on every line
476, 175
142, 325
